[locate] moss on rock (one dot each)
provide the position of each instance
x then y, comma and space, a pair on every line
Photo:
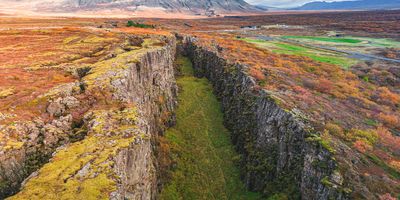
84, 170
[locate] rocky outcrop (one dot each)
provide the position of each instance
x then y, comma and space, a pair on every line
280, 153
29, 144
135, 96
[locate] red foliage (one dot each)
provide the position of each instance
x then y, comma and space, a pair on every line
387, 139
386, 196
300, 90
389, 120
257, 74
324, 86
387, 97
362, 146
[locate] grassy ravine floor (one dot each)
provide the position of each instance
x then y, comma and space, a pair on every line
201, 146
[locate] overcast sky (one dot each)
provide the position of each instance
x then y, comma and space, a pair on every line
284, 3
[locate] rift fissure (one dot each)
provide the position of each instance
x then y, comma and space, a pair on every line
269, 156
204, 160
276, 158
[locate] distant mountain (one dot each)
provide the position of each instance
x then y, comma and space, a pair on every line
170, 5
351, 5
266, 7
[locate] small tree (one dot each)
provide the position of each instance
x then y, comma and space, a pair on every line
130, 23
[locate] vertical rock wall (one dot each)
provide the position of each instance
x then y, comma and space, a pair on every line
276, 156
150, 85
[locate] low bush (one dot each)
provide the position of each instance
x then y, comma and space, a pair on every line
139, 25
389, 120
367, 136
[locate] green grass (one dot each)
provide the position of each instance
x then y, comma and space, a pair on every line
351, 41
291, 49
320, 56
200, 145
326, 39
379, 42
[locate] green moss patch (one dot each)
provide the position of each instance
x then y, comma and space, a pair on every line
103, 72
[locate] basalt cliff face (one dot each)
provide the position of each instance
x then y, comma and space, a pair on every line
115, 154
150, 85
279, 152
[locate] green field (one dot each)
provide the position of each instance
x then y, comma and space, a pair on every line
349, 41
317, 55
379, 42
326, 39
200, 145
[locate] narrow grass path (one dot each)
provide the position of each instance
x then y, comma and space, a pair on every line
201, 146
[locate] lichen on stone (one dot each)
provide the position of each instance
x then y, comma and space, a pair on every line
84, 170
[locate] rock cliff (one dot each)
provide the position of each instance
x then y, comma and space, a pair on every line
135, 94
280, 153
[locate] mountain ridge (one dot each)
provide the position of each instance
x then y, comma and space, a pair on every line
168, 5
351, 5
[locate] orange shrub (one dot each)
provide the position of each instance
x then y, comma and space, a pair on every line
387, 139
386, 196
300, 90
344, 89
362, 146
257, 74
387, 97
334, 129
395, 164
389, 120
324, 86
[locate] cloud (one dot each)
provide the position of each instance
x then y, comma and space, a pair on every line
283, 3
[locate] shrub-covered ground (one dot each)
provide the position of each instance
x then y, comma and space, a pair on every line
35, 61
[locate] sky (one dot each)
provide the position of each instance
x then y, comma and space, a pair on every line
284, 3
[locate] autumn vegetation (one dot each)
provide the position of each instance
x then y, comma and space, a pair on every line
355, 112
35, 61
